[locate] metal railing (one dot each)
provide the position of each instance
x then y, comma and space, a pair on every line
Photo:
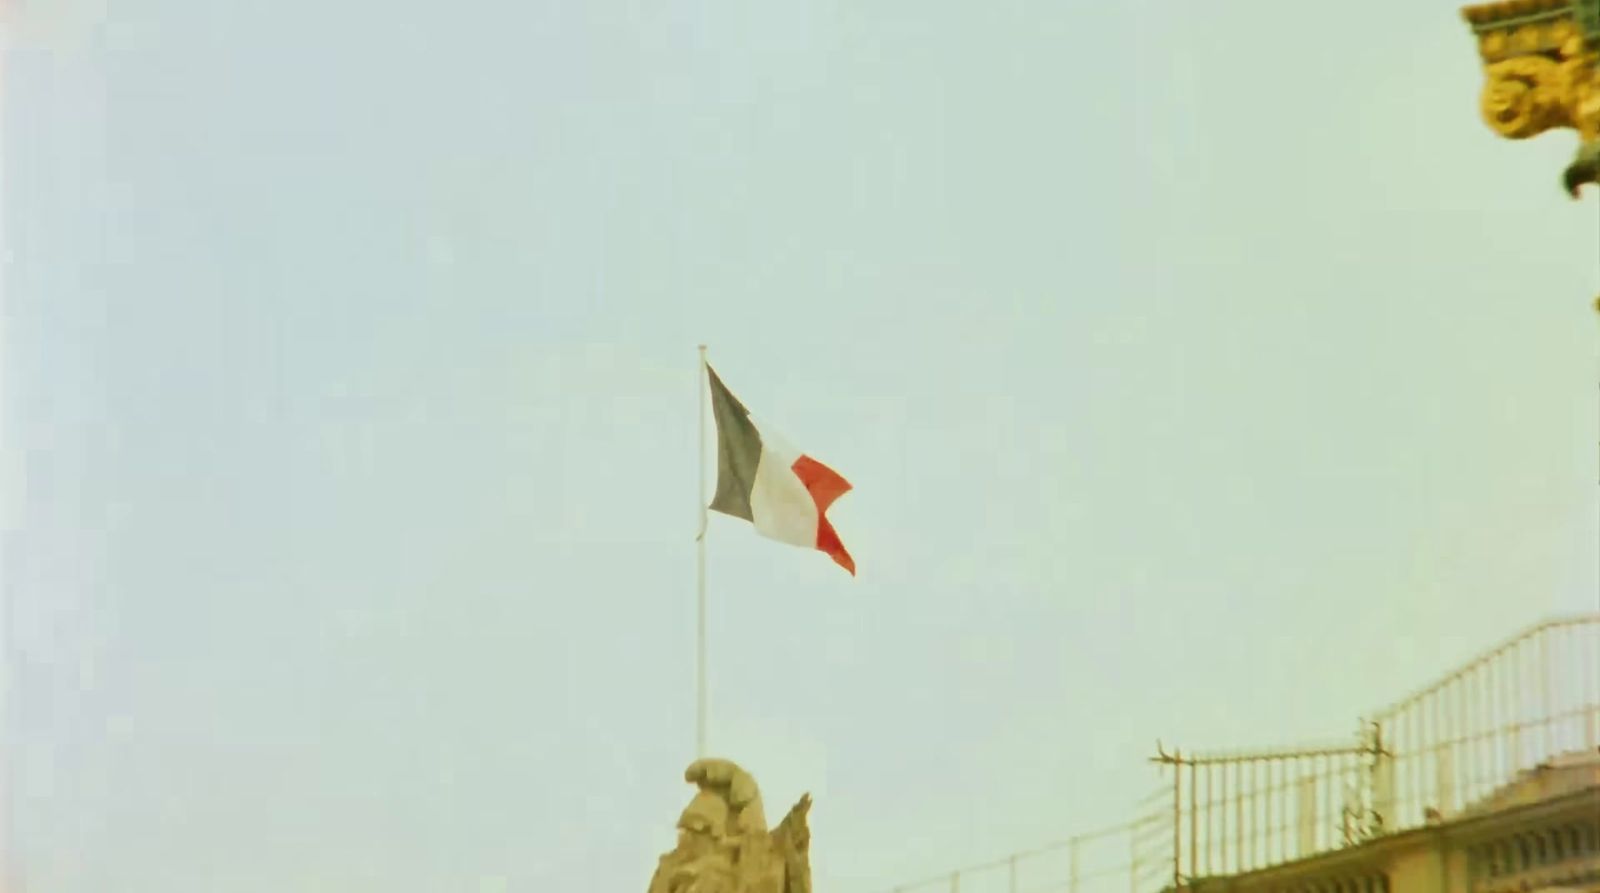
1429, 756
1425, 758
1126, 858
1534, 697
1249, 809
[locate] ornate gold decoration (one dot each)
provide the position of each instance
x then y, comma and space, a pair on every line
1522, 98
723, 842
1541, 62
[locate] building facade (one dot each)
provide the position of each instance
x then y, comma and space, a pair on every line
1539, 833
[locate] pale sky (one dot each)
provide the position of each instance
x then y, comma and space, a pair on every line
1206, 372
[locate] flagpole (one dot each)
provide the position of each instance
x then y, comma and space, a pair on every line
700, 567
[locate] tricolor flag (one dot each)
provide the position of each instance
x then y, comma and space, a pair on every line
763, 480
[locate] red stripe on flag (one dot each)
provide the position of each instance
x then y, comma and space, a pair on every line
828, 542
825, 485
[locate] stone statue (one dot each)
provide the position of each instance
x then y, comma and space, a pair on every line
723, 842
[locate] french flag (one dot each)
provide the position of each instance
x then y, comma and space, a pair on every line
782, 491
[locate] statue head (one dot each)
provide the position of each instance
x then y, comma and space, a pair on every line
723, 842
704, 822
735, 788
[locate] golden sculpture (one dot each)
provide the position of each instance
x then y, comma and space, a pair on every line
723, 842
1541, 60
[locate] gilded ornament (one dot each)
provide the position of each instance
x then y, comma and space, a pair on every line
1541, 63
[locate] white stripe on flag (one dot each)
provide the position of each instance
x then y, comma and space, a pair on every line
781, 505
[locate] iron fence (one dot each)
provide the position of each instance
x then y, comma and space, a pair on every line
1535, 697
1439, 751
1425, 758
1126, 858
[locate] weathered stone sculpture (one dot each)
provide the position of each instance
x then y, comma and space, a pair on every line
723, 842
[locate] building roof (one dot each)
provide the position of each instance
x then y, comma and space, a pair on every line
1560, 775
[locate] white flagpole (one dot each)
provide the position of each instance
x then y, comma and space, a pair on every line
700, 562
